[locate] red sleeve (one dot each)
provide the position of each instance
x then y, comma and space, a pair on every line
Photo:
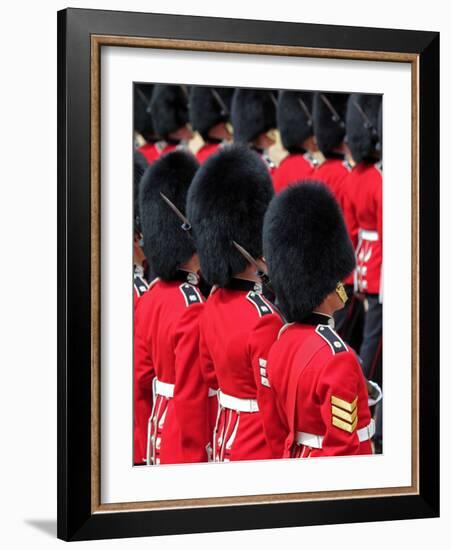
379, 206
340, 394
206, 362
144, 373
260, 342
349, 212
191, 389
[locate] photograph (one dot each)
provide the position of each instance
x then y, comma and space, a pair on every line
249, 257
257, 274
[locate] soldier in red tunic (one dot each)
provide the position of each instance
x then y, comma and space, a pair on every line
295, 123
139, 260
169, 111
209, 113
363, 210
163, 338
318, 396
227, 202
254, 121
142, 121
329, 116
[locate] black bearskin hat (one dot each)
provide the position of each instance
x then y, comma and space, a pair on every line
142, 120
294, 118
329, 118
253, 113
362, 126
166, 244
379, 130
169, 108
227, 201
208, 107
306, 246
140, 165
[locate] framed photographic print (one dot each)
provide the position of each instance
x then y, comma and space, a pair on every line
247, 210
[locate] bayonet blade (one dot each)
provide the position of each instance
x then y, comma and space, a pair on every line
186, 224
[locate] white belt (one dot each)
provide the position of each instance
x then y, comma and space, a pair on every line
164, 389
212, 392
316, 441
237, 404
367, 235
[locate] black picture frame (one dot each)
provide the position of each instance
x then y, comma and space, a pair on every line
76, 520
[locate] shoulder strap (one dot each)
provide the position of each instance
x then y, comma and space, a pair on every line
191, 294
260, 303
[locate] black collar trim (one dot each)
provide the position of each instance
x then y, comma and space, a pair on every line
334, 155
186, 276
315, 318
243, 284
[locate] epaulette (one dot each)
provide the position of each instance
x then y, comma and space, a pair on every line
140, 285
191, 294
331, 337
260, 303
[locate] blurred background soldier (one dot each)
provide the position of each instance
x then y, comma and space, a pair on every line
317, 380
139, 260
254, 120
145, 135
159, 315
169, 110
227, 202
295, 123
363, 209
329, 116
209, 113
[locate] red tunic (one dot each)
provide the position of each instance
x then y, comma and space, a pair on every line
162, 343
293, 168
206, 150
260, 342
153, 151
229, 317
320, 391
333, 172
143, 375
362, 204
195, 398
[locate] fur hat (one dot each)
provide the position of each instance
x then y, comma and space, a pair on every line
306, 246
169, 108
166, 244
253, 113
329, 117
140, 165
379, 130
142, 120
362, 126
294, 118
208, 107
227, 201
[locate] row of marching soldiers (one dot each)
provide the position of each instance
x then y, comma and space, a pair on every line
258, 315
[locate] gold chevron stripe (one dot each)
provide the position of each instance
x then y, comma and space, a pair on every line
344, 425
340, 413
346, 405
